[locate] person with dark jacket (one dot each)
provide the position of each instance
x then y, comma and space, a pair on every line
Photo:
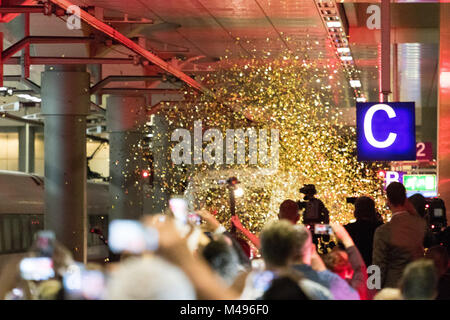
440, 257
399, 241
419, 202
363, 230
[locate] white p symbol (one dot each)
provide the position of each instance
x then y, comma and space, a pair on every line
368, 126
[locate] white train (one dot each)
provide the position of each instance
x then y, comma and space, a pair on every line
22, 214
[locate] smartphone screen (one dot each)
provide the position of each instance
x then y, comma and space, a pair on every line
80, 283
131, 236
323, 229
438, 213
262, 280
92, 284
45, 242
37, 268
179, 207
194, 218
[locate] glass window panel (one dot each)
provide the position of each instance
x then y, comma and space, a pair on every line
7, 234
36, 224
16, 234
1, 234
26, 231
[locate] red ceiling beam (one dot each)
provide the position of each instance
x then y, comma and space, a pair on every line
26, 51
69, 60
22, 9
13, 49
11, 16
114, 34
1, 60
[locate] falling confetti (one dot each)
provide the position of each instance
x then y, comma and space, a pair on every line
296, 96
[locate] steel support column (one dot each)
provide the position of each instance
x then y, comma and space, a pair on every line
385, 49
161, 154
65, 104
26, 148
126, 117
161, 164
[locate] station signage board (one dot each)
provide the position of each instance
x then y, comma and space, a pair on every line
392, 176
424, 151
424, 184
386, 131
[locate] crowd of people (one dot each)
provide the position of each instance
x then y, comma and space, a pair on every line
371, 259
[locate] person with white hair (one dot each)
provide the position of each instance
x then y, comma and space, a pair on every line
148, 278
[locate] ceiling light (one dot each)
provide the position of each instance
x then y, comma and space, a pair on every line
334, 24
346, 58
355, 83
28, 97
444, 79
343, 50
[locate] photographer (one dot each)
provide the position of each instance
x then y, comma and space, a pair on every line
315, 211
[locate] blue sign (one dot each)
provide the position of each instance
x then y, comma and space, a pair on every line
386, 131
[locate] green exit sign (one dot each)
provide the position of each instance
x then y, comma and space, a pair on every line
415, 182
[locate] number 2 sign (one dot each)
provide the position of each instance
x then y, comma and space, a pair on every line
424, 151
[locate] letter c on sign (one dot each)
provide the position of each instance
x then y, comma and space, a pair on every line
368, 126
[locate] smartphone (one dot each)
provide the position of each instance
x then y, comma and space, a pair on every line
262, 280
258, 264
131, 236
45, 243
93, 284
323, 229
80, 283
438, 213
179, 207
194, 218
37, 268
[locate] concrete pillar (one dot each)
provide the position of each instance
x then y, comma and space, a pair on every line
96, 76
429, 126
26, 148
385, 49
126, 117
65, 104
443, 151
161, 164
164, 174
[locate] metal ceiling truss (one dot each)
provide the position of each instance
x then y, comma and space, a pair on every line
125, 41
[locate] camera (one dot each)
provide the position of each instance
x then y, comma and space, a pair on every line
301, 204
308, 190
351, 200
436, 212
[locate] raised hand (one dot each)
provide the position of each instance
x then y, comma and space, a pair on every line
342, 234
